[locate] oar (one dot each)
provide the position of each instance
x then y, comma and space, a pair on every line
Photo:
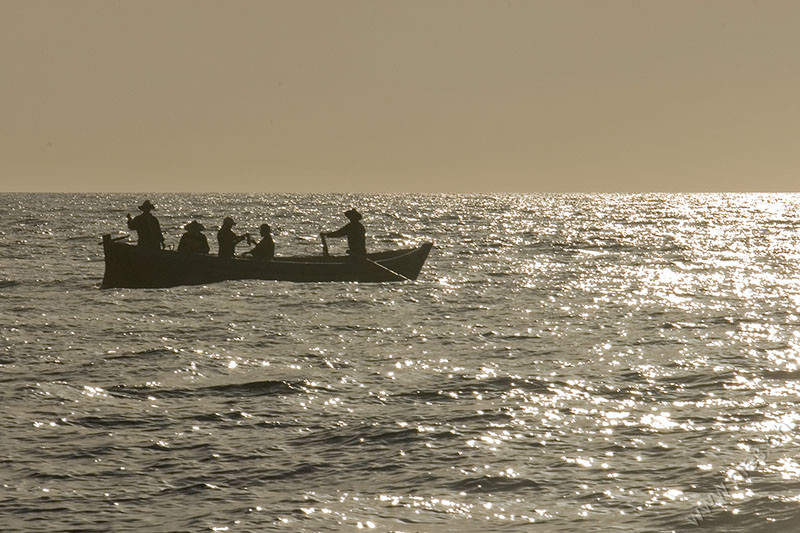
116, 238
387, 269
324, 245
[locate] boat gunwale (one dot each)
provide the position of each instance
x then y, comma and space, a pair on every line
379, 257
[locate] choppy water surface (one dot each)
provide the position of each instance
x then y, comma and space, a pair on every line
564, 363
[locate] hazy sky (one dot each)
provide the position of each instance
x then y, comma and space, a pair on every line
399, 95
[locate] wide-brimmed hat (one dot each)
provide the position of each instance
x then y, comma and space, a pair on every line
146, 206
228, 221
194, 226
353, 215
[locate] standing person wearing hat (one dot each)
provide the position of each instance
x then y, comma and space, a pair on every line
264, 250
355, 233
147, 227
227, 239
194, 241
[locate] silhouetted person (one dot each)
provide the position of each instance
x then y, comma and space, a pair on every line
264, 250
355, 233
227, 239
194, 241
147, 227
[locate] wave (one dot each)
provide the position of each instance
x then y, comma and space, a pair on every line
370, 434
31, 221
469, 385
495, 484
253, 388
120, 421
702, 381
781, 374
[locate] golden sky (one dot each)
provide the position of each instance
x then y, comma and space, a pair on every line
399, 95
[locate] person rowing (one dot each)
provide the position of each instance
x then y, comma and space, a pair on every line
227, 239
355, 233
147, 227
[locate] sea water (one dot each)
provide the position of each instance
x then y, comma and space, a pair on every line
563, 363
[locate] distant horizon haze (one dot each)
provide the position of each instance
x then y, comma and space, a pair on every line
433, 192
461, 96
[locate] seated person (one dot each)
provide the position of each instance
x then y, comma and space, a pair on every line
264, 250
194, 241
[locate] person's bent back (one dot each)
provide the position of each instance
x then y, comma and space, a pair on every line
194, 241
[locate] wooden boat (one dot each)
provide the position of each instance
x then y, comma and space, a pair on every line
129, 266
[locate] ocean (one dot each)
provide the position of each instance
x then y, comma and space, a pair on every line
586, 362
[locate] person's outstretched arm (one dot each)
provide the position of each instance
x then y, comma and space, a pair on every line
341, 232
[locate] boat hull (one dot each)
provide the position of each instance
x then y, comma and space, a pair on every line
128, 266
